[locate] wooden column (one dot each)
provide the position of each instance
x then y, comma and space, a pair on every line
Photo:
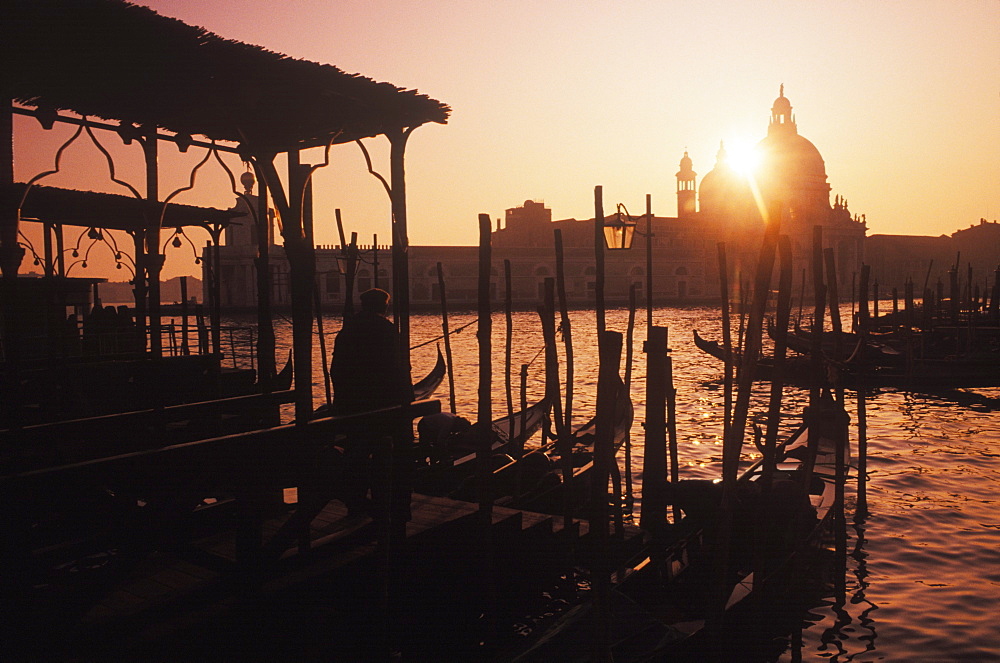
265, 328
302, 277
400, 239
150, 150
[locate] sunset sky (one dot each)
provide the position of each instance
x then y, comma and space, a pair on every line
551, 98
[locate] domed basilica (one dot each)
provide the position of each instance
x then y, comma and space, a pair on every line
791, 176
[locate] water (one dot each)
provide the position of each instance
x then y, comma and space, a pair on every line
923, 579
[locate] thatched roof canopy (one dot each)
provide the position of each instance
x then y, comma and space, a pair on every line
106, 210
123, 62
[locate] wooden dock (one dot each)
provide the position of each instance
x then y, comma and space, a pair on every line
195, 598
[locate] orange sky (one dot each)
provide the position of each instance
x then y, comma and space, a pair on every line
551, 98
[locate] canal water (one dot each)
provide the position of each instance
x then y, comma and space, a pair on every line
923, 573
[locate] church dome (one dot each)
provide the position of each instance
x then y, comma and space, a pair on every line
723, 190
789, 154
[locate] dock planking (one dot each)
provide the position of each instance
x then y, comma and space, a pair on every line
170, 591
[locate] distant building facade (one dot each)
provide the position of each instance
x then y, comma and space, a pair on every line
927, 261
791, 178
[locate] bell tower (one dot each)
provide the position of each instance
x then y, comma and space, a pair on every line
686, 188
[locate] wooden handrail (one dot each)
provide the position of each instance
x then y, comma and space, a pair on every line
232, 457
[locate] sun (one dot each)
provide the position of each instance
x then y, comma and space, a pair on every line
743, 156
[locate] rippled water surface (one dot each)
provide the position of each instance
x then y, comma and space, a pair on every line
923, 576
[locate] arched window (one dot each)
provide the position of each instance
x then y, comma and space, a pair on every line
681, 271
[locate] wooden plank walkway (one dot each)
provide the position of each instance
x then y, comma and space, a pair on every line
171, 576
171, 594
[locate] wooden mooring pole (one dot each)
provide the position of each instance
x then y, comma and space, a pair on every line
654, 454
508, 345
567, 332
861, 509
608, 383
484, 335
599, 258
629, 336
185, 348
447, 338
727, 341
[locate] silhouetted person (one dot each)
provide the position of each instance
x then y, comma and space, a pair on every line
369, 372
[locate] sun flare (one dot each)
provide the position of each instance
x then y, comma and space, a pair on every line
743, 156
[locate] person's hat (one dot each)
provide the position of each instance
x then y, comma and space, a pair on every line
374, 299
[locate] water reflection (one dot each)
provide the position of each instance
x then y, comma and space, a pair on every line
925, 563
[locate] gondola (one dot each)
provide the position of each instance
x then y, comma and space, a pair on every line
535, 483
663, 601
872, 349
795, 370
426, 387
448, 468
422, 389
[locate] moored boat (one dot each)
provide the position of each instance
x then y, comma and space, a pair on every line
664, 602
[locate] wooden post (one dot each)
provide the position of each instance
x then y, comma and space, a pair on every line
752, 344
862, 499
908, 305
629, 334
671, 394
995, 298
325, 363
564, 445
727, 341
216, 311
875, 300
185, 349
610, 349
447, 338
835, 323
484, 421
400, 240
954, 294
508, 346
732, 446
551, 356
599, 258
524, 393
566, 330
484, 335
895, 301
265, 327
302, 275
351, 262
199, 320
654, 453
819, 294
649, 263
782, 318
802, 298
150, 148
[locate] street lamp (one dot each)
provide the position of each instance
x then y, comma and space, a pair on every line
619, 230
